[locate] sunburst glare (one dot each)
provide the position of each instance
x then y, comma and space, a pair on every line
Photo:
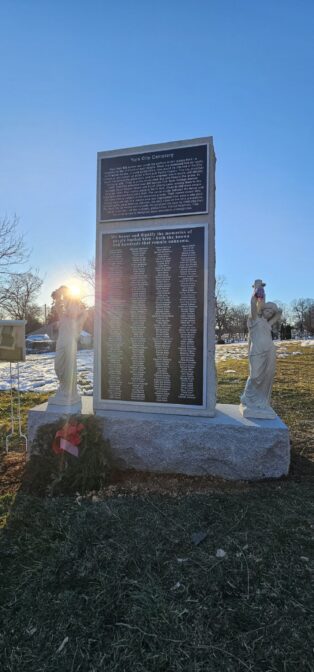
75, 290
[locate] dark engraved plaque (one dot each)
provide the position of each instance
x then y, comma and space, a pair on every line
154, 184
153, 316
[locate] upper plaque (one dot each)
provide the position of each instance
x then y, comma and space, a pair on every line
154, 184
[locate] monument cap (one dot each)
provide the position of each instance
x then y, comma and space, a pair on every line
259, 283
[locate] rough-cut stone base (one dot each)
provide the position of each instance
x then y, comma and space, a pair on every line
227, 445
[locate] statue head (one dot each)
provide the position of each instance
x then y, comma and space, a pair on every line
270, 309
66, 304
258, 283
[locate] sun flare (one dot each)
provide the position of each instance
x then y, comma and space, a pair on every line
75, 291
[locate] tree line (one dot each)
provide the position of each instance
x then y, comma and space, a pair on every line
231, 319
19, 290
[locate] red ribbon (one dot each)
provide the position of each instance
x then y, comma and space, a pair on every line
70, 432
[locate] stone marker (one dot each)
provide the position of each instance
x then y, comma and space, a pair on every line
154, 370
227, 445
155, 261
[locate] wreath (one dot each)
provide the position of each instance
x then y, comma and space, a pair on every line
68, 457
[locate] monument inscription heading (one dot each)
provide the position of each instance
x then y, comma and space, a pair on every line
154, 184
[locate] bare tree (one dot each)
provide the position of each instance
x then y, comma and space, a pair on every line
222, 307
18, 295
13, 250
87, 273
302, 310
286, 315
237, 320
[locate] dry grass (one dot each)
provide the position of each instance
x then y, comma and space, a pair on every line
122, 581
119, 584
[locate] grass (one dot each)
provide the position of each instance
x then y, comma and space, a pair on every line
118, 584
12, 465
292, 399
122, 585
28, 400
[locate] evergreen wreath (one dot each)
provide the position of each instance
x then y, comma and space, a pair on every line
53, 470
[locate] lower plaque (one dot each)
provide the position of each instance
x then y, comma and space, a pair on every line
152, 338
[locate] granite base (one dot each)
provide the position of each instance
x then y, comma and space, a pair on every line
228, 445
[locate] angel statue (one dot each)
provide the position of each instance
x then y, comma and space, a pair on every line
72, 315
255, 400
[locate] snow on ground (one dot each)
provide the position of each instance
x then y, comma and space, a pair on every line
240, 350
37, 372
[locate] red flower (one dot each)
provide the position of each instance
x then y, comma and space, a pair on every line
70, 432
259, 293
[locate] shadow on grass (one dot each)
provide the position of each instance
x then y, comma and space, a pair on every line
120, 585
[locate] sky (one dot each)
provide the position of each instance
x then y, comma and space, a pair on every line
78, 77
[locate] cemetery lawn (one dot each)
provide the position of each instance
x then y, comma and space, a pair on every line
165, 574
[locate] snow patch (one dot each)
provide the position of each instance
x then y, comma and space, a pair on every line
37, 372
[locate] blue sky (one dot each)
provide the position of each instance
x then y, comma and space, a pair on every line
81, 77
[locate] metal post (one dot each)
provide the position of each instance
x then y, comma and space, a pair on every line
20, 434
12, 414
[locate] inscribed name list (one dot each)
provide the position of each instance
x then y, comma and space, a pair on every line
153, 316
154, 184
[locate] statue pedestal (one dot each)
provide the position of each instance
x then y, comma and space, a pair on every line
227, 445
64, 409
64, 405
258, 413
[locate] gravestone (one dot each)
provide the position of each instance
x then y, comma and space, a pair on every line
155, 270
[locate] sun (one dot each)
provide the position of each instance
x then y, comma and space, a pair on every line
74, 291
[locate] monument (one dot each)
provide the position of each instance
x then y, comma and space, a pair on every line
154, 361
155, 260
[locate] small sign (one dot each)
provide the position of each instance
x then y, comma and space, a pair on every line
12, 340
